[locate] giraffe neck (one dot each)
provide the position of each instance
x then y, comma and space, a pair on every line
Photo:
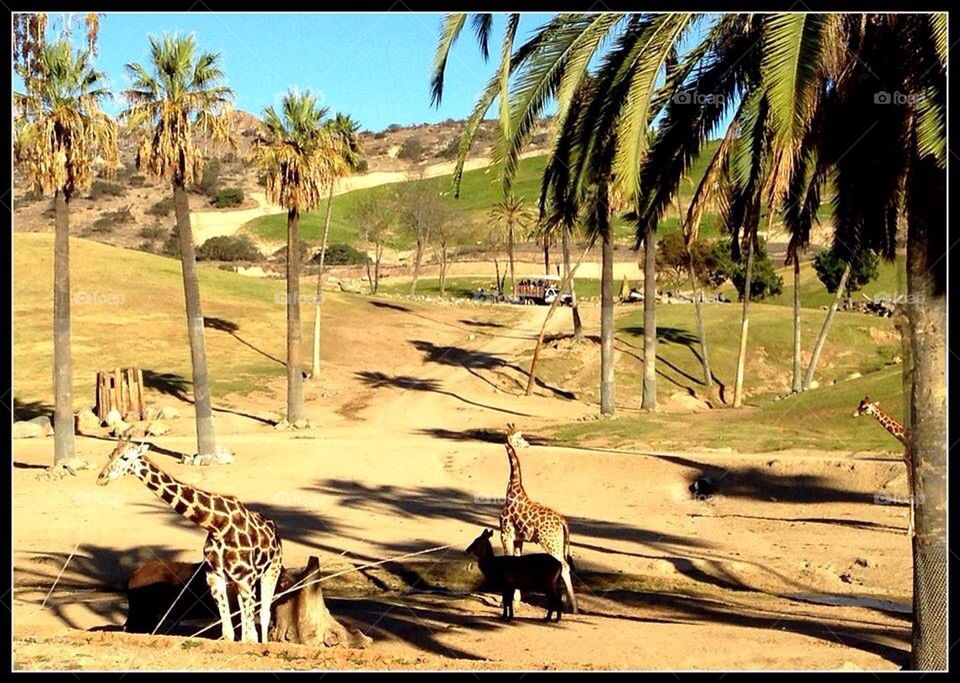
181, 497
895, 428
515, 486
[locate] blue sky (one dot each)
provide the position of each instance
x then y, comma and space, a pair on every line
375, 67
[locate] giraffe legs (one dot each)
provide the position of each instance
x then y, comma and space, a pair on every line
218, 589
248, 629
268, 584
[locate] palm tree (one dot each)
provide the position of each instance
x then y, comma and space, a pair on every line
511, 213
301, 157
60, 130
345, 130
174, 99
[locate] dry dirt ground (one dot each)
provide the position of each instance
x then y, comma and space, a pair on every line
791, 566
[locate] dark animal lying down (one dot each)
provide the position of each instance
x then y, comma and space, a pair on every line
537, 573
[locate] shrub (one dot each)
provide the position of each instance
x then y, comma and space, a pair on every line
412, 148
341, 255
228, 248
830, 267
146, 246
394, 127
162, 208
153, 232
764, 280
262, 179
171, 245
109, 221
281, 253
102, 188
363, 166
230, 196
380, 135
29, 197
209, 181
137, 180
450, 149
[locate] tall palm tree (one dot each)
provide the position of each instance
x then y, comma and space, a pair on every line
301, 158
346, 131
177, 97
60, 130
513, 215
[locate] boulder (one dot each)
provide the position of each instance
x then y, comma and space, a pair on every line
151, 414
113, 417
157, 428
302, 423
44, 423
25, 429
168, 413
681, 401
351, 286
87, 423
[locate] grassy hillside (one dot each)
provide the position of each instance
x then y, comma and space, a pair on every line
479, 191
128, 311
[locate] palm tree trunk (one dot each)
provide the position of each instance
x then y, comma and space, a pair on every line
315, 370
513, 281
649, 401
496, 265
606, 311
546, 254
416, 263
294, 332
206, 436
701, 329
63, 427
927, 313
797, 382
443, 271
574, 308
821, 340
744, 325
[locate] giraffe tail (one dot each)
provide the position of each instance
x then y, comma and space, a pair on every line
568, 573
566, 548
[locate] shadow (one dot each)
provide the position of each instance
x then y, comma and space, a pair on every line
221, 325
379, 380
480, 323
392, 307
27, 466
681, 337
27, 410
866, 636
473, 361
172, 384
852, 523
486, 435
759, 484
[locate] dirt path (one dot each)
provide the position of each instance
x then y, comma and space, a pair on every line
791, 565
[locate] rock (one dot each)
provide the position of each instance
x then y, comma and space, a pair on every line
113, 417
121, 429
131, 416
302, 423
44, 423
351, 286
137, 432
282, 425
151, 414
814, 385
157, 428
87, 423
25, 429
854, 375
682, 401
74, 464
223, 455
168, 413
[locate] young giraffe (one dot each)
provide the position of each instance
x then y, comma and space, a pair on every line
899, 432
523, 520
242, 545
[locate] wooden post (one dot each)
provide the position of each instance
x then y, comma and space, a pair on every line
120, 389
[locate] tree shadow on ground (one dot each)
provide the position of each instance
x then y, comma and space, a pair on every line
379, 380
860, 635
680, 337
390, 306
473, 361
230, 327
27, 410
172, 384
486, 435
481, 323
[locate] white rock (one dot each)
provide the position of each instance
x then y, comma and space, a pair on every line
87, 423
157, 428
168, 413
26, 430
113, 417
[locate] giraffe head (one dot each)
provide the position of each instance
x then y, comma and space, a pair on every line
866, 407
515, 438
481, 544
122, 461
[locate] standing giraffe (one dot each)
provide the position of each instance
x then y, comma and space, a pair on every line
899, 432
242, 545
523, 520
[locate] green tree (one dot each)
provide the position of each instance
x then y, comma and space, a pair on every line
173, 100
301, 158
59, 131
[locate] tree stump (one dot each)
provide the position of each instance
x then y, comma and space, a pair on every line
302, 616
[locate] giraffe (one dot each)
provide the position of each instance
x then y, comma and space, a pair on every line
242, 546
523, 520
899, 432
